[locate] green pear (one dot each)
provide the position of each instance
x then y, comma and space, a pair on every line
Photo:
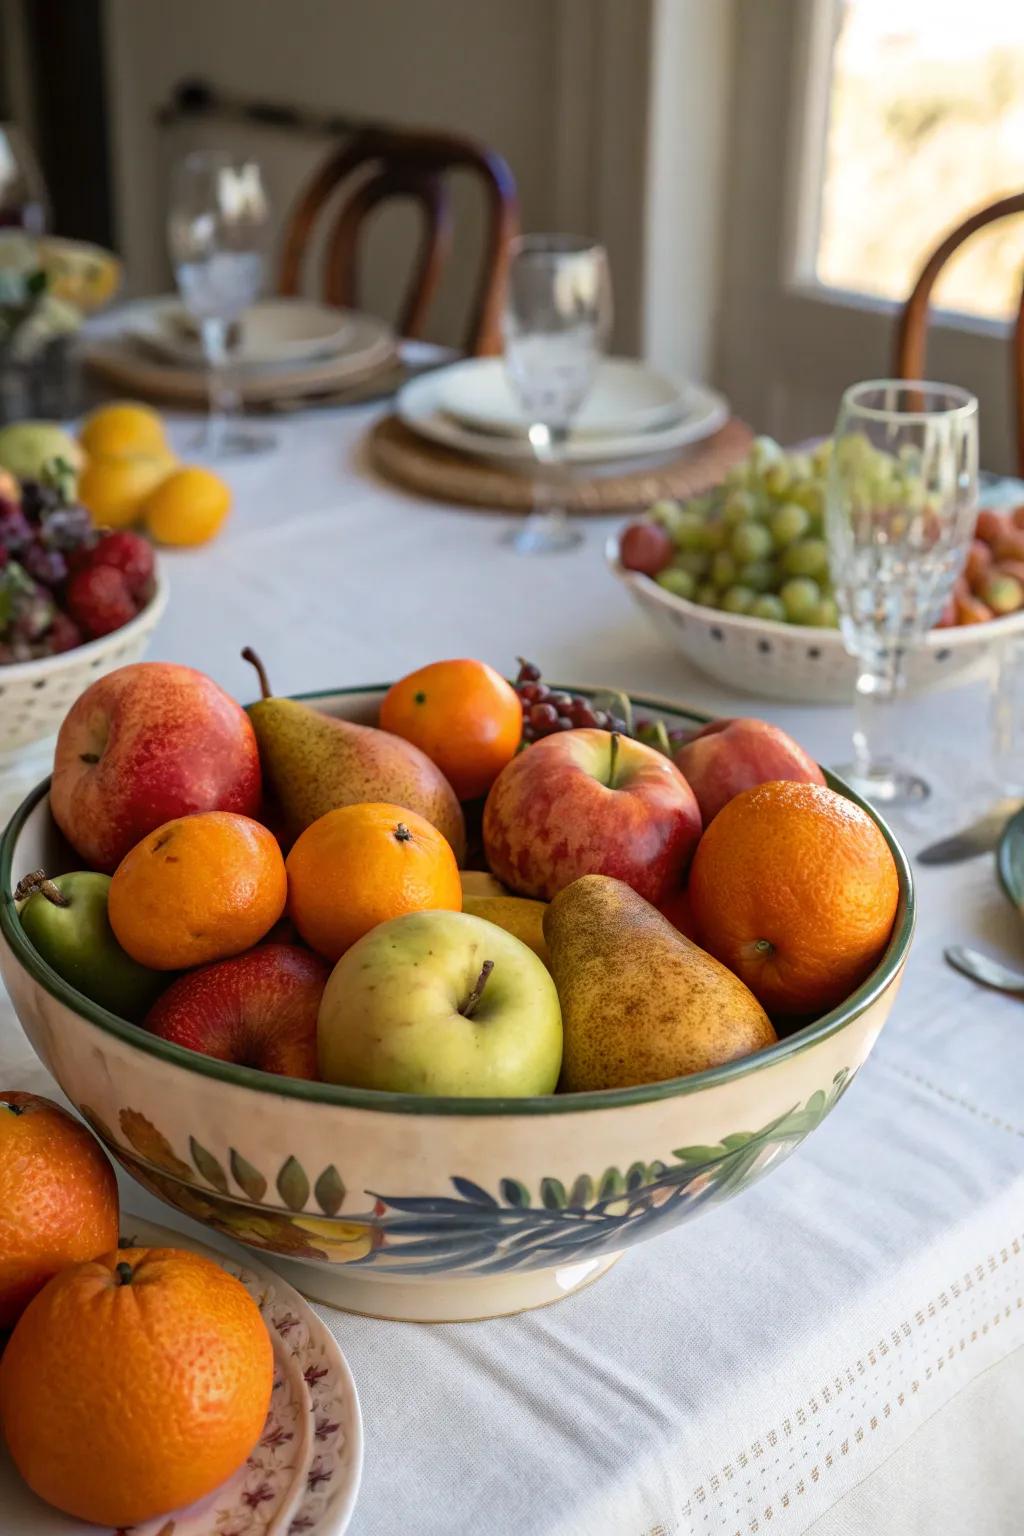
640, 1003
441, 1003
314, 763
65, 919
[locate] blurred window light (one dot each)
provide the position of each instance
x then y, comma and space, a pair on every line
925, 125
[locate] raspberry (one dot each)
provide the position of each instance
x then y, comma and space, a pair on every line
128, 553
99, 600
64, 634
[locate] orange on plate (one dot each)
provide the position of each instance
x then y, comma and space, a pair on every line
197, 889
794, 888
363, 864
58, 1198
463, 715
135, 1384
187, 507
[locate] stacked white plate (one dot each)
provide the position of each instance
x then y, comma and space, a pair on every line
280, 347
632, 413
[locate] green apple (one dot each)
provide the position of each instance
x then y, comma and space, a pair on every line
441, 1003
65, 919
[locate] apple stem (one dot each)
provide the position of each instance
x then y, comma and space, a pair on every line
37, 881
612, 760
477, 993
249, 655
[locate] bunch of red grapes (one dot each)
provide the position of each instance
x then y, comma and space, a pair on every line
61, 581
548, 710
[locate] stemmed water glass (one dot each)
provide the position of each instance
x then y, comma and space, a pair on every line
558, 313
900, 510
217, 229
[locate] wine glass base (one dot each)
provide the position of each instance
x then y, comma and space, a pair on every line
885, 785
542, 534
234, 442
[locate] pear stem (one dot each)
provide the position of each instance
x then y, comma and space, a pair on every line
37, 881
612, 759
477, 993
249, 655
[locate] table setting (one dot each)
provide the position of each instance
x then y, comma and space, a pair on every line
715, 683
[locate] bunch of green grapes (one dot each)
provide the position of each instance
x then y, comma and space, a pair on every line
756, 543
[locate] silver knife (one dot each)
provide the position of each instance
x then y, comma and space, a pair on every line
982, 836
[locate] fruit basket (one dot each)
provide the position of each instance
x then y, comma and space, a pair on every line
793, 663
421, 1207
36, 695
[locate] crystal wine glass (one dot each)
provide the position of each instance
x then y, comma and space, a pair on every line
23, 200
558, 313
900, 509
217, 228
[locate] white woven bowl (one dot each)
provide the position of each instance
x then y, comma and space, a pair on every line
793, 662
36, 695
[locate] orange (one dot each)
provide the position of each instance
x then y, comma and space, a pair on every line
135, 1384
363, 864
200, 888
58, 1198
124, 427
463, 715
114, 489
187, 507
794, 888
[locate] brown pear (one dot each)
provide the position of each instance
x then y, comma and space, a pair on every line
314, 763
640, 1003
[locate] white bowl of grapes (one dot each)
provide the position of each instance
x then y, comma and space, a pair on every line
738, 580
75, 602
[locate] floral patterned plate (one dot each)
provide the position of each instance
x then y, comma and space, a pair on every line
302, 1477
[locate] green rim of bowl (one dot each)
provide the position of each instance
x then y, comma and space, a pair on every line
422, 1104
1010, 860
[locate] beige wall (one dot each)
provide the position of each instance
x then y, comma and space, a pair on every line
532, 78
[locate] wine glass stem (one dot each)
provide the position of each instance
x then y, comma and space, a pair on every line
550, 492
223, 396
879, 687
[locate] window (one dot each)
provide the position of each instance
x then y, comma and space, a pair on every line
925, 123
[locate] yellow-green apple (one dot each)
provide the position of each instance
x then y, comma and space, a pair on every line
728, 756
441, 1003
144, 745
257, 1010
590, 802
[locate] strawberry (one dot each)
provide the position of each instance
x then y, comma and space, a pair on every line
98, 598
128, 553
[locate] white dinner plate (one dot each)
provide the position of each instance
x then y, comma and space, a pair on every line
419, 406
303, 1474
270, 332
626, 397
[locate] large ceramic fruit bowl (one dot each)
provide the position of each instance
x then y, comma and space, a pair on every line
411, 1207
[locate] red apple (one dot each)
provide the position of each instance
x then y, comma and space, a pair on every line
142, 746
589, 802
257, 1010
729, 756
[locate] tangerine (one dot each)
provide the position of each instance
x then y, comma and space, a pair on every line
187, 507
135, 1384
113, 489
58, 1198
363, 864
123, 427
794, 888
196, 889
463, 715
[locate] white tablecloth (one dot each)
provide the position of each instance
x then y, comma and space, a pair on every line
746, 1372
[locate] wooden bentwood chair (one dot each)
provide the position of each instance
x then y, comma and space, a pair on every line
389, 163
913, 321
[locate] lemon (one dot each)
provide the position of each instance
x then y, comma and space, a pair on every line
123, 428
188, 507
114, 489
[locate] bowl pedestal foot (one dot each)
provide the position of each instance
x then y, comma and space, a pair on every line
414, 1299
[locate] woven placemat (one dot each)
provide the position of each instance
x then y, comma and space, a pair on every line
444, 475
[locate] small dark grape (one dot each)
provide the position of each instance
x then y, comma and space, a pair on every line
529, 734
582, 715
617, 725
528, 673
46, 565
603, 720
563, 724
543, 717
528, 692
559, 699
